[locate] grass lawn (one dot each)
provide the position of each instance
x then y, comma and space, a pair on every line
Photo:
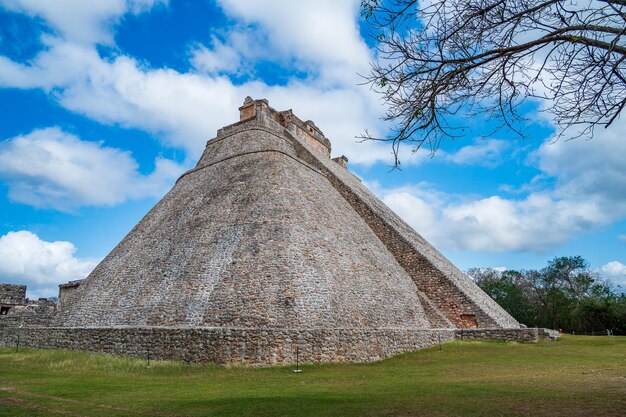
576, 376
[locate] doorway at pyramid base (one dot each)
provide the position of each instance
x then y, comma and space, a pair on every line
250, 347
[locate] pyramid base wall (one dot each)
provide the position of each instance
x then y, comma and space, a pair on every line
251, 347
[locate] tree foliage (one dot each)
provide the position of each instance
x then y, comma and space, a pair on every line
440, 58
566, 294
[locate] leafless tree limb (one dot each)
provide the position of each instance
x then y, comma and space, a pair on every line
468, 57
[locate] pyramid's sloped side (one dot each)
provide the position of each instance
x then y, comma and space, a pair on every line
452, 291
251, 238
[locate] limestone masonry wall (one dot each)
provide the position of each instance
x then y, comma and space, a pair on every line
33, 313
250, 346
528, 335
12, 294
66, 291
548, 334
255, 347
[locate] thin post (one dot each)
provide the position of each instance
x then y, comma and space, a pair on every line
297, 370
19, 333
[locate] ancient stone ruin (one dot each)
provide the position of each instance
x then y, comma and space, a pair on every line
16, 309
266, 248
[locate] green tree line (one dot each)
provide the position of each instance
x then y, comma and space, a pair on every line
565, 295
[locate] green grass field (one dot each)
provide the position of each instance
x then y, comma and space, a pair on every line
576, 376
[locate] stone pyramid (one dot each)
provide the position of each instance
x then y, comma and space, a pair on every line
267, 235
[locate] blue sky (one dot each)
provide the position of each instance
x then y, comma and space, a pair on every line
105, 103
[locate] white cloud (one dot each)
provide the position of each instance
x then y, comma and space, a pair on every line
486, 152
78, 20
416, 207
614, 268
51, 168
42, 265
490, 224
589, 192
495, 224
616, 271
622, 237
321, 35
184, 110
589, 168
220, 58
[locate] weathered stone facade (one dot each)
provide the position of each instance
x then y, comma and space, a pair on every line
529, 335
17, 310
548, 334
12, 294
256, 347
66, 291
250, 346
266, 241
31, 314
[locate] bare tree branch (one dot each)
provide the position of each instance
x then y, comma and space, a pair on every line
464, 57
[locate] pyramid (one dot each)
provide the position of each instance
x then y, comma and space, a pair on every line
269, 242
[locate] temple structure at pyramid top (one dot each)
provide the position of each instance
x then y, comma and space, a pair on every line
270, 246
